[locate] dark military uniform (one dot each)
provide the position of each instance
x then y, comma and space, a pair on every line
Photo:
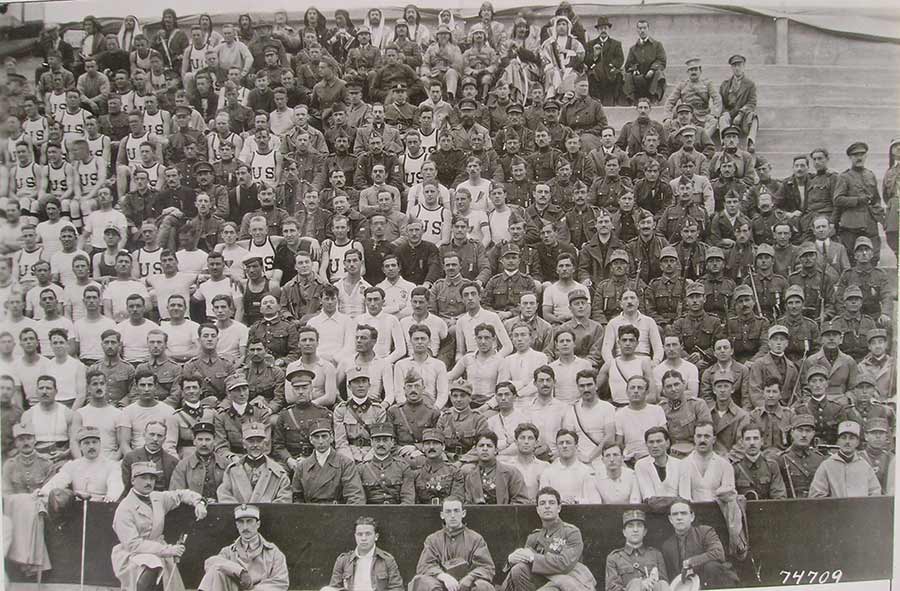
798, 466
629, 566
683, 416
877, 289
119, 376
645, 254
761, 476
301, 297
558, 549
446, 297
775, 427
817, 286
473, 260
748, 336
879, 462
279, 336
855, 331
542, 163
770, 291
460, 429
266, 381
697, 332
411, 420
214, 371
672, 219
502, 292
229, 426
803, 336
387, 482
186, 418
828, 414
434, 481
664, 298
738, 260
606, 294
719, 291
291, 430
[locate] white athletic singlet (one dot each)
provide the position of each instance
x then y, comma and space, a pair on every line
266, 251
26, 178
25, 261
217, 143
432, 221
133, 148
36, 130
96, 145
336, 270
149, 262
154, 123
197, 58
88, 174
412, 168
262, 167
73, 125
618, 382
154, 174
430, 141
57, 105
57, 179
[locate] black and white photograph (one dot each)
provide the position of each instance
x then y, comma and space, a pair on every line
449, 296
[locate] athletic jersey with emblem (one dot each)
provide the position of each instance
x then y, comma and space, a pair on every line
266, 251
154, 123
430, 142
138, 101
96, 145
11, 147
149, 262
432, 222
57, 105
412, 168
26, 178
58, 179
73, 124
128, 101
88, 174
35, 129
154, 174
336, 270
133, 148
197, 58
218, 141
25, 262
262, 167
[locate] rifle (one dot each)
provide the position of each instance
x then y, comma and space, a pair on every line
753, 287
797, 383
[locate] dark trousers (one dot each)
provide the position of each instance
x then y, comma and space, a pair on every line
608, 90
717, 575
639, 86
520, 578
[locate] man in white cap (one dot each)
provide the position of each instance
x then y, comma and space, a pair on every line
251, 562
846, 473
91, 476
142, 558
255, 477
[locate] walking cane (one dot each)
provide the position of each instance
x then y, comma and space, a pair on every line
176, 559
84, 515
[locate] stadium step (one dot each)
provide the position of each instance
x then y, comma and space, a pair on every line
792, 74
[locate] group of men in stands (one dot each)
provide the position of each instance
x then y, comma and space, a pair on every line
308, 266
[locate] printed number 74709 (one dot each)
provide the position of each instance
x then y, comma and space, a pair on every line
810, 577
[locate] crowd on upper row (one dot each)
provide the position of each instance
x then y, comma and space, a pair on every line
360, 264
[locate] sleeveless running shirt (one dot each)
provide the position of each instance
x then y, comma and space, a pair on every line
154, 123
133, 148
433, 222
266, 251
336, 270
58, 179
412, 168
262, 167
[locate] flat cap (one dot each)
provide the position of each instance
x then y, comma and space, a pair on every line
765, 249
432, 435
714, 252
300, 372
245, 510
803, 420
633, 515
778, 329
87, 433
551, 105
270, 49
741, 291
816, 369
875, 333
509, 248
807, 248
142, 468
253, 429
515, 108
830, 326
736, 59
467, 103
252, 259
857, 147
618, 255
863, 241
381, 430
461, 387
236, 380
668, 251
794, 291
357, 374
877, 424
723, 375
320, 425
578, 294
695, 288
731, 130
693, 62
201, 166
852, 291
203, 427
848, 427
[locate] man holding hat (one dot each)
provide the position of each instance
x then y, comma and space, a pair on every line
857, 204
800, 461
739, 102
436, 479
635, 567
878, 288
90, 476
841, 368
200, 470
354, 417
604, 58
326, 476
827, 413
291, 428
700, 94
879, 364
142, 558
853, 324
386, 479
255, 477
250, 563
773, 364
234, 414
878, 447
846, 473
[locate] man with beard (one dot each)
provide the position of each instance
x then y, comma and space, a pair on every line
386, 479
200, 469
454, 557
756, 475
846, 473
552, 554
251, 562
255, 477
798, 463
326, 476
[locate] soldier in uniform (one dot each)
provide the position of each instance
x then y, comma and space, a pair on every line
756, 475
291, 428
277, 333
804, 333
385, 574
192, 411
684, 211
593, 263
697, 329
841, 368
817, 286
584, 115
251, 562
503, 291
853, 324
827, 413
200, 470
635, 567
747, 332
386, 479
865, 401
214, 368
326, 476
769, 286
607, 294
880, 365
857, 205
436, 479
682, 413
515, 127
354, 417
461, 425
412, 418
167, 371
773, 418
700, 94
798, 463
877, 287
231, 419
255, 477
664, 297
552, 553
119, 374
265, 379
877, 451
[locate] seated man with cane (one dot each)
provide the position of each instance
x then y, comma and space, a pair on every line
142, 558
250, 563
